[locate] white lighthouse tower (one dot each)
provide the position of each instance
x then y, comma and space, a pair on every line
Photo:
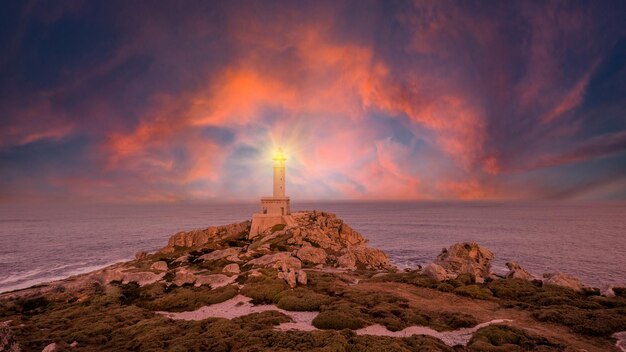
274, 210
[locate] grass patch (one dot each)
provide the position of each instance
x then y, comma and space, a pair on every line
190, 298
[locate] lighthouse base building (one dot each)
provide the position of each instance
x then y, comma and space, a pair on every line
274, 210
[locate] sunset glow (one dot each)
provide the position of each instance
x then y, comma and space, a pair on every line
370, 100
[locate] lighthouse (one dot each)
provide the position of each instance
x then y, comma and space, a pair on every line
275, 209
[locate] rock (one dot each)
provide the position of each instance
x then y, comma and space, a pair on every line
371, 258
290, 277
159, 266
232, 268
435, 271
141, 255
74, 344
560, 279
142, 278
301, 278
229, 253
311, 255
201, 237
215, 280
183, 277
608, 291
182, 259
108, 275
516, 272
50, 348
466, 258
277, 260
621, 340
347, 261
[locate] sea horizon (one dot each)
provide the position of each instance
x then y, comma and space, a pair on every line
411, 232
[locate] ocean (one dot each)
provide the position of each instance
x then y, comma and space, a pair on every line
43, 243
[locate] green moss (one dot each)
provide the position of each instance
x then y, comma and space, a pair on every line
190, 298
473, 291
506, 338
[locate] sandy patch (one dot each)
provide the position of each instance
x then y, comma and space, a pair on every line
239, 306
450, 338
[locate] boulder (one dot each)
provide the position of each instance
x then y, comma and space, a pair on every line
311, 255
289, 276
159, 266
232, 268
142, 278
74, 344
371, 258
201, 237
282, 260
141, 255
347, 261
435, 271
215, 280
183, 277
228, 253
301, 278
561, 279
50, 348
466, 258
517, 272
182, 259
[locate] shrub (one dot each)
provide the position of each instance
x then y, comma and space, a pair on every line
301, 300
190, 298
338, 320
603, 322
466, 279
473, 291
263, 290
444, 287
507, 338
457, 320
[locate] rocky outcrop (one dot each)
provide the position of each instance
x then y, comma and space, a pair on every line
466, 258
435, 271
142, 278
230, 254
159, 266
215, 280
184, 277
311, 255
517, 272
561, 279
232, 268
200, 237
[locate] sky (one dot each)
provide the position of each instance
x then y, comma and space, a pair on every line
173, 101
